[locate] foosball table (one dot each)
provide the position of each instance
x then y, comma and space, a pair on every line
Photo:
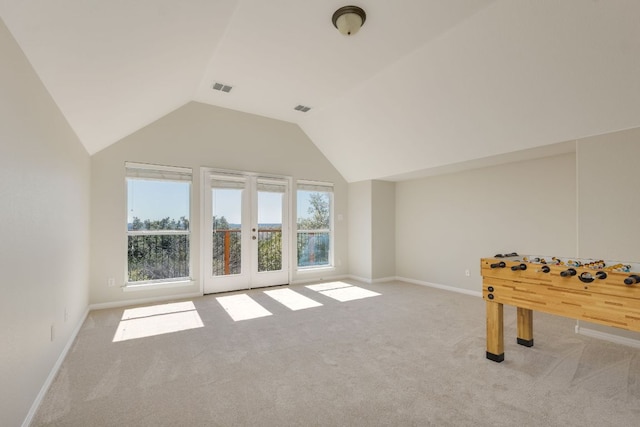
601, 292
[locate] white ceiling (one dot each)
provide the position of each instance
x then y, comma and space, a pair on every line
425, 86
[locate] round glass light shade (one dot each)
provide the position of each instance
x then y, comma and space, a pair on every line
349, 23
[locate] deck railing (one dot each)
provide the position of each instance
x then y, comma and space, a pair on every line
158, 256
312, 247
227, 247
166, 255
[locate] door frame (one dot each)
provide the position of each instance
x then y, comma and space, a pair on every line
205, 173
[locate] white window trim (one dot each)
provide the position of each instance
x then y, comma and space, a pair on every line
158, 232
321, 187
209, 173
158, 284
148, 171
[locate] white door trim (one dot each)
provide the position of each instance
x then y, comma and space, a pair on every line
205, 225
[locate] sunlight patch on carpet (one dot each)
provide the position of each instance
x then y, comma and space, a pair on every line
349, 294
342, 291
291, 299
158, 319
242, 307
328, 286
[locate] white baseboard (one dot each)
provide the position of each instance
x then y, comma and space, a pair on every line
360, 279
444, 287
607, 337
54, 371
370, 281
130, 302
384, 279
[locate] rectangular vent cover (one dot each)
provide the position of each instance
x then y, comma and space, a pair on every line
222, 87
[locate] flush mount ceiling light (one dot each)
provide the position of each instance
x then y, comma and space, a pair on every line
348, 19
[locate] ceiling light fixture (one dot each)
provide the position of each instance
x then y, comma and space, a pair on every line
348, 19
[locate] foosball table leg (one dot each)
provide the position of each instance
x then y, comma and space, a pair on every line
495, 331
525, 327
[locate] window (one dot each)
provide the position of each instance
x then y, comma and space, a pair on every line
315, 223
158, 229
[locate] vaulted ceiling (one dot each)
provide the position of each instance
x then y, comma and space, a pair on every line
426, 85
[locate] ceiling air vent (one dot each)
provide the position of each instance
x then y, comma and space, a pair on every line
302, 108
223, 88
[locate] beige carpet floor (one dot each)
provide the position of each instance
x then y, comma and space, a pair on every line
412, 356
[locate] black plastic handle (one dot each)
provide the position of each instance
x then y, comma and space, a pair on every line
500, 264
632, 280
568, 273
586, 277
601, 275
545, 269
519, 267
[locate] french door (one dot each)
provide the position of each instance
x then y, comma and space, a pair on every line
246, 231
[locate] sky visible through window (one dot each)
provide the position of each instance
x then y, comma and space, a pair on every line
155, 200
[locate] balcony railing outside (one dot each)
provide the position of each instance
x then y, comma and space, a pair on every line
269, 249
313, 248
227, 249
157, 257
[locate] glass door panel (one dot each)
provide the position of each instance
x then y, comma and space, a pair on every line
246, 245
227, 231
269, 231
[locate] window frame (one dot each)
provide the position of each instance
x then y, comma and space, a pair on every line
319, 187
161, 173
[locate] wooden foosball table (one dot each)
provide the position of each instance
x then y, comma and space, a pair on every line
596, 291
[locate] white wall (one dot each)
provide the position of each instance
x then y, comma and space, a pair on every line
372, 230
445, 224
360, 232
608, 202
608, 206
198, 135
580, 204
383, 235
44, 224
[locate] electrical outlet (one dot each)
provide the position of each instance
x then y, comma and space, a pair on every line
466, 272
52, 332
111, 282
